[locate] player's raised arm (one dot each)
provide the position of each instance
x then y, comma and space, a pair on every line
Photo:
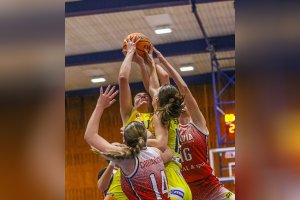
153, 82
162, 75
125, 92
91, 135
145, 74
196, 115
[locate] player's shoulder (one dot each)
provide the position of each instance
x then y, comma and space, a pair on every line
154, 149
201, 130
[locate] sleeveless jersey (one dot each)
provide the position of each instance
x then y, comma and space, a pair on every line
145, 118
148, 181
174, 139
194, 151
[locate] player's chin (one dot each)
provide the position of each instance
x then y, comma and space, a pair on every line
144, 102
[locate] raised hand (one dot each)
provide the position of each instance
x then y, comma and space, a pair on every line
149, 57
131, 45
106, 99
138, 59
159, 55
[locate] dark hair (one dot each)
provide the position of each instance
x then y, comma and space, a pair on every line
170, 103
135, 135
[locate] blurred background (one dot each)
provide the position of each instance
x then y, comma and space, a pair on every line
197, 38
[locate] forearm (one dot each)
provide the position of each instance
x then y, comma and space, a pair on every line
125, 92
175, 75
153, 81
93, 124
161, 133
104, 181
126, 66
156, 143
145, 76
162, 75
91, 135
166, 155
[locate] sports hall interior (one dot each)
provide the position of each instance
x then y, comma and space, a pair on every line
93, 40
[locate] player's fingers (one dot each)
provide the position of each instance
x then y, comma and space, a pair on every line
137, 55
151, 51
107, 89
111, 90
137, 41
114, 94
133, 39
101, 90
112, 101
124, 52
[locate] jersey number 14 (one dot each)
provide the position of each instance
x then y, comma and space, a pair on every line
164, 184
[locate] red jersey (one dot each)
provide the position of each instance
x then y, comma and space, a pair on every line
148, 181
194, 153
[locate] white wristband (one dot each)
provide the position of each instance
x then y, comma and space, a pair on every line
111, 163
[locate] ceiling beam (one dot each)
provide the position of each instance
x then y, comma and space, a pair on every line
223, 43
91, 7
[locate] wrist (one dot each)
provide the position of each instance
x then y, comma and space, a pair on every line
111, 163
141, 64
130, 52
100, 107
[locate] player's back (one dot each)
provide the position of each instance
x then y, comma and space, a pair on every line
148, 181
194, 151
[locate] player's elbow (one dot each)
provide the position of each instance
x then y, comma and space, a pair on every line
162, 146
88, 138
101, 187
184, 89
165, 77
123, 78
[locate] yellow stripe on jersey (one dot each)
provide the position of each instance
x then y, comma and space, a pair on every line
115, 188
145, 118
174, 139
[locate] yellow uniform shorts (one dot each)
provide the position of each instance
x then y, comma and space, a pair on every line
178, 188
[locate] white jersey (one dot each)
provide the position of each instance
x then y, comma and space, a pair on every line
148, 180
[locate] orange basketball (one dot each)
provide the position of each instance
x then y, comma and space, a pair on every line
142, 45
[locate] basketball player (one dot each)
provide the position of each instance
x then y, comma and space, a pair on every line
141, 110
194, 150
168, 105
138, 112
143, 174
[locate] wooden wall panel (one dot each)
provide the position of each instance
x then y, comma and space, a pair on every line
82, 165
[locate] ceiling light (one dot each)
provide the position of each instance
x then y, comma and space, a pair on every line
163, 31
187, 68
98, 80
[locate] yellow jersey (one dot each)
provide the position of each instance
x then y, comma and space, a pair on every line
145, 118
174, 141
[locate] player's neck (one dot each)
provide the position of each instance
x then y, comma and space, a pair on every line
143, 109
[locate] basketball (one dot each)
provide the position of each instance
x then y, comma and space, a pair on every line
141, 46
